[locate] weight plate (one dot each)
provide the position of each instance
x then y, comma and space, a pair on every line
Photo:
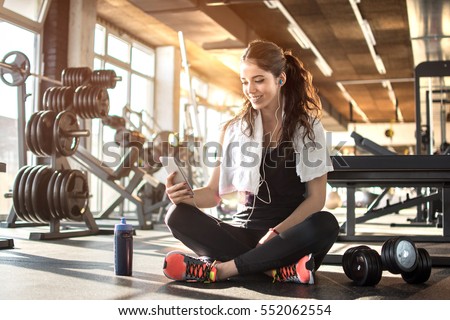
45, 99
67, 100
57, 99
65, 122
52, 101
347, 259
366, 268
360, 267
87, 72
21, 192
83, 108
387, 256
405, 254
29, 195
39, 194
65, 77
76, 100
34, 138
74, 195
400, 255
112, 79
88, 103
78, 77
16, 192
49, 99
103, 103
28, 133
19, 71
56, 194
45, 131
377, 268
422, 271
50, 191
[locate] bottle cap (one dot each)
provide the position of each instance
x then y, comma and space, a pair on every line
123, 225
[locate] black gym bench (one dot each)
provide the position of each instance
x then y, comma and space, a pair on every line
416, 171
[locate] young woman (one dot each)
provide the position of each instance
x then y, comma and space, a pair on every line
274, 156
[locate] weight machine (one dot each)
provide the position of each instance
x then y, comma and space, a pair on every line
434, 70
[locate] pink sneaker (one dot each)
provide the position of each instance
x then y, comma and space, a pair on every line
300, 272
181, 267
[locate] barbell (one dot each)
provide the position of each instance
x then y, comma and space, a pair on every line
15, 68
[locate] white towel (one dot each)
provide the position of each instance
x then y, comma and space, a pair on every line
242, 155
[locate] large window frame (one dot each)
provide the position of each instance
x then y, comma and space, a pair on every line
31, 46
121, 97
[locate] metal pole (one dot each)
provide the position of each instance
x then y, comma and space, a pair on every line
21, 98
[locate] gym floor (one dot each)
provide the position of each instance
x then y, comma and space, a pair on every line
82, 268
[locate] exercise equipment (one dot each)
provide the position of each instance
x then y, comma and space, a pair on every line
48, 130
15, 68
370, 146
47, 194
417, 171
41, 194
434, 70
399, 255
55, 132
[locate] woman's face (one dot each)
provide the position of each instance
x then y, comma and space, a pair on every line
259, 86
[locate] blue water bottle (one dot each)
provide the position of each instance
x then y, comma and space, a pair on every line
123, 248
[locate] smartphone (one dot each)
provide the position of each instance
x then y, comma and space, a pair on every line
171, 164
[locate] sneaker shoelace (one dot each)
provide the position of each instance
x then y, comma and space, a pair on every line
197, 269
286, 274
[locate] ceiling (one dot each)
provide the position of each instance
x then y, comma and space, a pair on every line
216, 32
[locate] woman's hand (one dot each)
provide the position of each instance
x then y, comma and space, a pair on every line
269, 235
179, 192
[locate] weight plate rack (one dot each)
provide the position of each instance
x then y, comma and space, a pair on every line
48, 194
54, 132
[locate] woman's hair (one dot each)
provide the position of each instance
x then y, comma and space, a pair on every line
301, 102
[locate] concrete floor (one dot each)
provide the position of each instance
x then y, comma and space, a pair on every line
81, 268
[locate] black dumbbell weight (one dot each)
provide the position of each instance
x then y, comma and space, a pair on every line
399, 254
422, 271
347, 259
366, 267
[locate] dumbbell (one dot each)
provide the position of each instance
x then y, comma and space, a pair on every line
362, 265
399, 255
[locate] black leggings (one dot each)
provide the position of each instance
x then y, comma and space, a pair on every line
208, 236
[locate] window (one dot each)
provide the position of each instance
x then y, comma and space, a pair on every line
33, 10
134, 63
9, 34
118, 48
